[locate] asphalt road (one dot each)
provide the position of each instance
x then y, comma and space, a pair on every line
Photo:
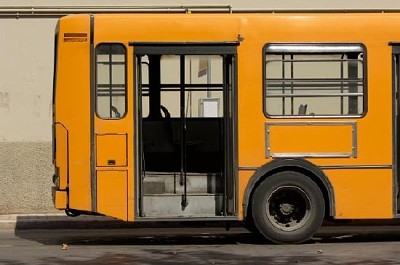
332, 245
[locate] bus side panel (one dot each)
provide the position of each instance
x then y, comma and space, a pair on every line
359, 193
362, 193
61, 161
72, 105
112, 193
244, 178
60, 179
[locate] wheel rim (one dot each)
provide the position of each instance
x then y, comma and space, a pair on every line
288, 208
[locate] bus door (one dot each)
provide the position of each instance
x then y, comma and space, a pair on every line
186, 123
396, 120
110, 140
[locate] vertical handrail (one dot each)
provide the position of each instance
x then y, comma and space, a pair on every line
183, 174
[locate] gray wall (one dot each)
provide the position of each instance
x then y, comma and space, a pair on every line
26, 71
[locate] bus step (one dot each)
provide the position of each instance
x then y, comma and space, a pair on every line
196, 183
169, 206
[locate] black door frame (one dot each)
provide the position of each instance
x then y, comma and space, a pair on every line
229, 52
396, 124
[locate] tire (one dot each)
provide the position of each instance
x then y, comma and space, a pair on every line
288, 208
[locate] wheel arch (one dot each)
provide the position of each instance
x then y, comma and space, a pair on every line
291, 164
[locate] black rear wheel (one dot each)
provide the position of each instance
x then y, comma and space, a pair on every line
288, 207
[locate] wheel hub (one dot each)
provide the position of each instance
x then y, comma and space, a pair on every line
286, 208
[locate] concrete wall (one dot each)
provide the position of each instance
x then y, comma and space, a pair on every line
26, 72
25, 177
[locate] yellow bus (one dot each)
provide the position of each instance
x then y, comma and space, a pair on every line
276, 120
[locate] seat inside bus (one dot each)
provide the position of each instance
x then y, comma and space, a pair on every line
203, 143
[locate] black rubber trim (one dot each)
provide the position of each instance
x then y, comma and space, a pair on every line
293, 164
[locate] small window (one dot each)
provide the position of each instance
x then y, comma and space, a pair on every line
110, 81
314, 80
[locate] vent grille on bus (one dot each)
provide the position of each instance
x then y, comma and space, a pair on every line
75, 37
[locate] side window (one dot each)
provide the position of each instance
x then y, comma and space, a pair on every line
314, 80
110, 81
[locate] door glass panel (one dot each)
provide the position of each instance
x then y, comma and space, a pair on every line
110, 81
204, 86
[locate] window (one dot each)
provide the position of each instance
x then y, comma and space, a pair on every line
314, 80
110, 81
201, 77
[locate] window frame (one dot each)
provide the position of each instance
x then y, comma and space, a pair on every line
315, 49
123, 115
